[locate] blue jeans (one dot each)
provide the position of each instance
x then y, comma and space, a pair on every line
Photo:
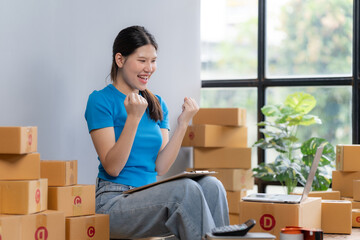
185, 208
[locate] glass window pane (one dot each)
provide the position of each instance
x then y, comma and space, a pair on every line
228, 39
235, 98
309, 38
333, 107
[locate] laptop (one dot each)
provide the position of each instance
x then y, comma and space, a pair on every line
283, 198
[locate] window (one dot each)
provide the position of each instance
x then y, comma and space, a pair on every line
258, 52
228, 39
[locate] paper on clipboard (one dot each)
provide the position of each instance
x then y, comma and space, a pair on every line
185, 174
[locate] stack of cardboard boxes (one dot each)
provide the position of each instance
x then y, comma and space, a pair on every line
219, 140
75, 200
23, 194
346, 178
24, 202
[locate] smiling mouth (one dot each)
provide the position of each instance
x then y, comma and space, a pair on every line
144, 79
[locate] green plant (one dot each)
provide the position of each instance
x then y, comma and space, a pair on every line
293, 162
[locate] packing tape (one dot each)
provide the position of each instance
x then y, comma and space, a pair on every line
29, 138
70, 172
1, 230
38, 196
67, 170
77, 200
41, 231
90, 226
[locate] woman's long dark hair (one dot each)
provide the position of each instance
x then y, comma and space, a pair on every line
126, 42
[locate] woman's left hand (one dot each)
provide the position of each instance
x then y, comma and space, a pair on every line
189, 109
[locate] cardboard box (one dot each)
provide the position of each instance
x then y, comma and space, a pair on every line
325, 195
356, 190
235, 179
355, 217
354, 204
271, 217
10, 227
343, 182
233, 199
215, 136
74, 200
234, 218
20, 166
23, 197
18, 140
221, 116
59, 173
222, 157
94, 227
45, 225
336, 216
347, 158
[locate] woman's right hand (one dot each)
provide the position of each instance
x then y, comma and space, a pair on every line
135, 105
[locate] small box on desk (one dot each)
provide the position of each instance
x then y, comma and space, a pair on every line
272, 217
221, 116
20, 166
23, 197
59, 173
222, 157
215, 136
74, 200
18, 140
336, 216
95, 227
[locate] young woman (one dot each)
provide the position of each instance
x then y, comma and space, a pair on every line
129, 127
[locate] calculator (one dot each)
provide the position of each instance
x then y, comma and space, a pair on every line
234, 230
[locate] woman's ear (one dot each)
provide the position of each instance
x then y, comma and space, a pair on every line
120, 60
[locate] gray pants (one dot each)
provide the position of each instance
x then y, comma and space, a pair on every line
185, 208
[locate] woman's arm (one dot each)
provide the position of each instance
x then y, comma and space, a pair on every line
114, 155
170, 149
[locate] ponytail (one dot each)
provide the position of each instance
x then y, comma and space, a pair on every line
154, 107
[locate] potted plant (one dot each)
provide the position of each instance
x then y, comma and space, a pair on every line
292, 164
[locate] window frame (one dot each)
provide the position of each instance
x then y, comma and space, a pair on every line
261, 82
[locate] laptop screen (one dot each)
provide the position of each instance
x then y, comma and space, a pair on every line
312, 172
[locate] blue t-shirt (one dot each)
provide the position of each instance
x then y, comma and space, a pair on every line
105, 108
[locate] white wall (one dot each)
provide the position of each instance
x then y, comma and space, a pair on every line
53, 54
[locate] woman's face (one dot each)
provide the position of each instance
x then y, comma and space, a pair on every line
136, 69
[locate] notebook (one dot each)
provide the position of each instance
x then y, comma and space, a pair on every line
283, 198
185, 174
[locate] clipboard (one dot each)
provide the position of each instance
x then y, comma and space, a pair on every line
185, 174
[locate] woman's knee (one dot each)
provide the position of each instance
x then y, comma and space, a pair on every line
186, 188
211, 183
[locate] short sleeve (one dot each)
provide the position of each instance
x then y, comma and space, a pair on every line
98, 113
165, 122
